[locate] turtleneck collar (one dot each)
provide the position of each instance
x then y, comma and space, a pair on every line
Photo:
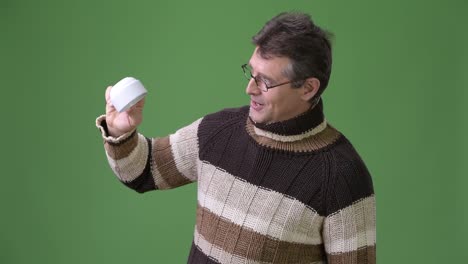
301, 134
304, 125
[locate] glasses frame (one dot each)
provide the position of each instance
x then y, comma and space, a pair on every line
248, 74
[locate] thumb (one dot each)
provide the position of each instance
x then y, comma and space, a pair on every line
108, 93
109, 106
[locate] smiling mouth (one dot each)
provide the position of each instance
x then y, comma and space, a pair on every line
255, 105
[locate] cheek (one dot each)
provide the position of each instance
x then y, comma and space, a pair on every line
284, 103
280, 100
273, 98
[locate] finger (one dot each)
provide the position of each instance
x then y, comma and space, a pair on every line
109, 106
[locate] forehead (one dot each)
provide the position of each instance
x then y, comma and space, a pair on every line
272, 66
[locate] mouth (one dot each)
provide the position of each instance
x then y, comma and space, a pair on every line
256, 105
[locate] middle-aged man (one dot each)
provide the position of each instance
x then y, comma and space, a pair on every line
276, 182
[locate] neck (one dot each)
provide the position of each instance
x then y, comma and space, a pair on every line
306, 132
306, 124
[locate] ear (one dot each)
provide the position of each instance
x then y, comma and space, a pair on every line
310, 88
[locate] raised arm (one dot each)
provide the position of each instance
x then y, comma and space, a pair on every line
142, 163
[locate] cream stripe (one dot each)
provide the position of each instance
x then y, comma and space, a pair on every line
362, 255
351, 228
292, 138
265, 211
130, 167
184, 146
158, 179
222, 256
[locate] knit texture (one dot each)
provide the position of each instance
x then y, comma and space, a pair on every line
290, 192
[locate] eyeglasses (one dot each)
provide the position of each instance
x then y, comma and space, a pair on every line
261, 83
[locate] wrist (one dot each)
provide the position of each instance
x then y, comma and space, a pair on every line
111, 135
110, 131
114, 132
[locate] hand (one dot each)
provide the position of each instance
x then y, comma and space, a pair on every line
121, 123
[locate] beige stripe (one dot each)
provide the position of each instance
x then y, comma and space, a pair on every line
365, 255
217, 253
130, 167
268, 212
351, 228
175, 157
163, 161
326, 137
292, 138
184, 144
223, 256
246, 243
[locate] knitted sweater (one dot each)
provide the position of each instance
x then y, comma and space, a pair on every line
289, 192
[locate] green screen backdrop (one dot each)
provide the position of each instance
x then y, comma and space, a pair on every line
397, 91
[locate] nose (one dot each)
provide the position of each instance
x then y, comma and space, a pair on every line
252, 88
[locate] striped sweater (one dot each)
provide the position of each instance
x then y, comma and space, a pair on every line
289, 192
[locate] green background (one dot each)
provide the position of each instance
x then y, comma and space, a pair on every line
398, 92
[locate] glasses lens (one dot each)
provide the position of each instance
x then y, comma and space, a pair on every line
247, 71
248, 74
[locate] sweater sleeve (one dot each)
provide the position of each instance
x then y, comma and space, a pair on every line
146, 164
349, 230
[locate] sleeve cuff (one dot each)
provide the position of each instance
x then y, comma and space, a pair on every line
102, 126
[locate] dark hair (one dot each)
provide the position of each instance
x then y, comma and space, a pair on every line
294, 35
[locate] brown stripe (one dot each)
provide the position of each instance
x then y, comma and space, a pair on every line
165, 164
364, 255
320, 140
124, 149
246, 243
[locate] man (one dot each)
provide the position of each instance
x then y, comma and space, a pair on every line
276, 182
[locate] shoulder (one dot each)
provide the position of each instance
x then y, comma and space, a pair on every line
224, 119
227, 114
350, 181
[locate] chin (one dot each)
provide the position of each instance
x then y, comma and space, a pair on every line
256, 117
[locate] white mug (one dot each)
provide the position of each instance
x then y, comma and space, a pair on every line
126, 93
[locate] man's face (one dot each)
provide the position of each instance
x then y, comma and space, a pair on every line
279, 103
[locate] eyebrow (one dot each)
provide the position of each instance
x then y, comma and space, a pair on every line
264, 76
